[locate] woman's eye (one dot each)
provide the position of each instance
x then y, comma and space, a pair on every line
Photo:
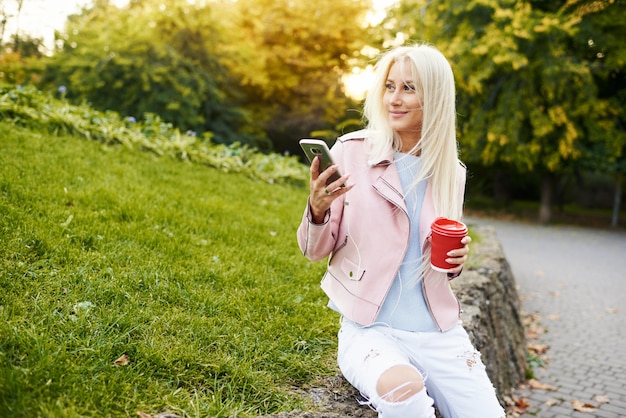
389, 86
408, 88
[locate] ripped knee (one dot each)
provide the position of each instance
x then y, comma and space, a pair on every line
399, 383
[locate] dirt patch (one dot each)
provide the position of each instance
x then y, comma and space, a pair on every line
333, 398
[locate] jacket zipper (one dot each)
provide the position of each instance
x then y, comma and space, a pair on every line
405, 247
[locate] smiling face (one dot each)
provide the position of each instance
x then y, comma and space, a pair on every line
404, 104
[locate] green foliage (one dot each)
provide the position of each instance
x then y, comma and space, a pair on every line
25, 106
513, 94
290, 57
142, 60
20, 58
601, 44
192, 274
18, 69
533, 362
530, 87
260, 72
541, 85
24, 45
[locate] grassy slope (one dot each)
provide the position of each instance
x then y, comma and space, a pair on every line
192, 273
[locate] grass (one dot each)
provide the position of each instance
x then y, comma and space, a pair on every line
145, 282
191, 273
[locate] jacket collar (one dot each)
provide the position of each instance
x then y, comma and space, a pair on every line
386, 160
388, 182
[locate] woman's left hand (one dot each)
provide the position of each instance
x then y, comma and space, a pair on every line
458, 257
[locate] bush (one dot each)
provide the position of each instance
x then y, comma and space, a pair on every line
28, 107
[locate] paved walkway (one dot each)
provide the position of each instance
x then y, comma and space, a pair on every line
573, 281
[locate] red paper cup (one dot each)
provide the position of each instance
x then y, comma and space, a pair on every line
447, 235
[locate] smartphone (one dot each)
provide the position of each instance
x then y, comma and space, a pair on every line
317, 148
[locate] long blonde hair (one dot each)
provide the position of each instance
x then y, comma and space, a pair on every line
434, 81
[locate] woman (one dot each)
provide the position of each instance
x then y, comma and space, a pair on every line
401, 342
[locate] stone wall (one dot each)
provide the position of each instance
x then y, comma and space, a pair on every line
491, 315
491, 311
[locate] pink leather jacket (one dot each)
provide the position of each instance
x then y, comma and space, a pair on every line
366, 234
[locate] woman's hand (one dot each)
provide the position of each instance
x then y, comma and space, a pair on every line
322, 195
458, 257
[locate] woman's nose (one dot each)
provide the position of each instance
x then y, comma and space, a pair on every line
395, 97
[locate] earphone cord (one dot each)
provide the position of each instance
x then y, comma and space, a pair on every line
346, 204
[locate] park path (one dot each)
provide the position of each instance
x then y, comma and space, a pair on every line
572, 283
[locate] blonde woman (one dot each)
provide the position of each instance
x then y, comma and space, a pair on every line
401, 342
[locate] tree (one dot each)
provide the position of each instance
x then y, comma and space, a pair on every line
601, 44
290, 56
20, 56
5, 16
151, 57
261, 69
527, 97
20, 60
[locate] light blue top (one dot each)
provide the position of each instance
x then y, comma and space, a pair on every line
405, 307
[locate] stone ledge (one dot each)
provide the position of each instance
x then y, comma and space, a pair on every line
492, 311
491, 315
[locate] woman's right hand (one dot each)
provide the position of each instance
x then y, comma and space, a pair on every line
322, 195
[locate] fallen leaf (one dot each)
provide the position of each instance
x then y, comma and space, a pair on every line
521, 405
612, 310
123, 360
532, 334
531, 317
532, 326
554, 317
535, 384
535, 333
515, 404
602, 399
538, 348
583, 407
552, 402
143, 415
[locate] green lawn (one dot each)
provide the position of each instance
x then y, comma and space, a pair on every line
192, 274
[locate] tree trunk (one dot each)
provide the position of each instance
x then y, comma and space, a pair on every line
501, 189
548, 183
617, 201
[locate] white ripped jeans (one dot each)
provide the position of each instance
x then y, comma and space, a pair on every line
454, 375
